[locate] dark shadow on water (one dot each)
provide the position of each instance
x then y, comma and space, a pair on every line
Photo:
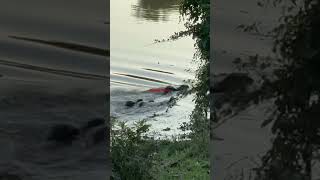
127, 84
53, 71
159, 71
142, 78
65, 45
155, 10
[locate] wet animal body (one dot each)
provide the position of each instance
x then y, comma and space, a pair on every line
162, 90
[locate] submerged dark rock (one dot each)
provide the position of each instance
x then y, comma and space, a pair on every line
130, 103
139, 100
141, 104
63, 133
171, 100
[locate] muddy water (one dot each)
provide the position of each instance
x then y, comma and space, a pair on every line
137, 63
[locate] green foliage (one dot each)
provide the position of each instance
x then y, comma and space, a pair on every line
179, 160
295, 121
136, 156
132, 152
197, 14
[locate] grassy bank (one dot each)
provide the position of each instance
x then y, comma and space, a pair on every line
137, 156
180, 160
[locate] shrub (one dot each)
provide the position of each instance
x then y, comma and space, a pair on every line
132, 151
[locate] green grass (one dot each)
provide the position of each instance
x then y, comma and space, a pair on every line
179, 160
136, 156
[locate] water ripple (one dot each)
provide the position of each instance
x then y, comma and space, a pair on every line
65, 45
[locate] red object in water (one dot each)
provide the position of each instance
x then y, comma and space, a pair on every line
159, 90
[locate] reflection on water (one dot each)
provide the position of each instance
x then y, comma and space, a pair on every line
51, 45
137, 62
155, 10
158, 71
143, 78
51, 70
70, 46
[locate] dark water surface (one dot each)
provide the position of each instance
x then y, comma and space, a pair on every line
54, 62
64, 36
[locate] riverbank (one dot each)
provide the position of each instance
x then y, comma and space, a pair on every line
182, 160
137, 155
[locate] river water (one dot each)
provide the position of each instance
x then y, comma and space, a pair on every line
138, 64
53, 35
53, 71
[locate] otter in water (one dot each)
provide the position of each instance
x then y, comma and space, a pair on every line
162, 90
168, 89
